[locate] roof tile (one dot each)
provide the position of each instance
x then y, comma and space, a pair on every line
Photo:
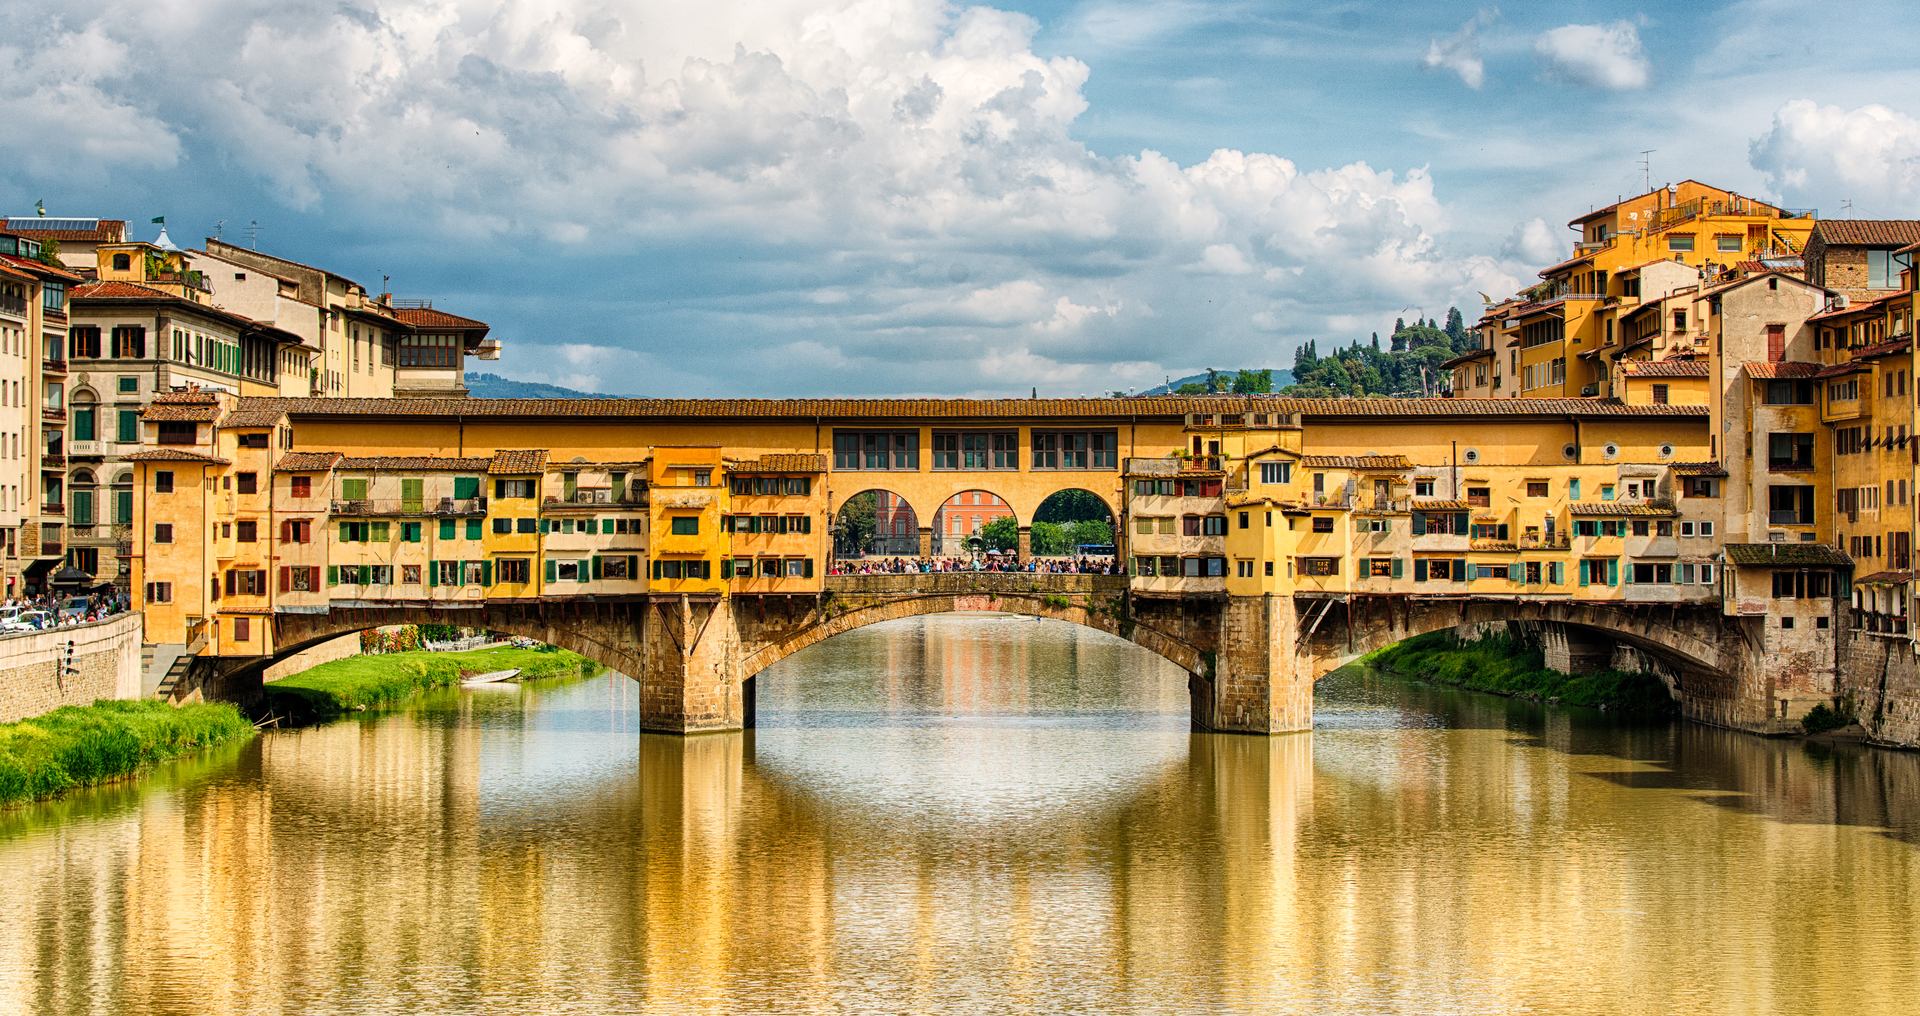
1868, 232
1664, 368
1356, 462
783, 463
174, 455
1782, 369
517, 462
306, 462
1786, 555
416, 463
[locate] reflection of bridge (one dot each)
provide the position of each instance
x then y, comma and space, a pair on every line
1251, 661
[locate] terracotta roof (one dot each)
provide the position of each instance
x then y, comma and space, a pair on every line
194, 411
1664, 368
1852, 307
1159, 406
1434, 505
253, 416
415, 463
516, 462
1468, 357
1841, 370
174, 455
107, 231
1867, 232
41, 267
1884, 578
782, 464
192, 396
1880, 349
1786, 555
1356, 462
307, 462
1568, 263
1699, 469
427, 317
1781, 369
98, 290
1621, 508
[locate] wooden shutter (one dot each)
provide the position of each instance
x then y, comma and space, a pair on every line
286, 578
1419, 567
553, 570
333, 575
1776, 343
1399, 567
633, 566
597, 567
1420, 529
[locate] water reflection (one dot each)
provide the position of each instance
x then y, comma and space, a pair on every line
975, 813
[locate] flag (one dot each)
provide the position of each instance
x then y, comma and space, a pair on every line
160, 220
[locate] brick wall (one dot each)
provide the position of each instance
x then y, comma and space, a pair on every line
36, 678
1881, 679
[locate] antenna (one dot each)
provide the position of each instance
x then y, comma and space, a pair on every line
1646, 167
1846, 208
253, 233
219, 227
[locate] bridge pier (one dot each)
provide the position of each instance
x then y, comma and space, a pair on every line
1257, 684
690, 679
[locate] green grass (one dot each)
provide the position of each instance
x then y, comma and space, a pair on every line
82, 746
1505, 666
364, 682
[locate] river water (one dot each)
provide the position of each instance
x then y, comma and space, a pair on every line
976, 813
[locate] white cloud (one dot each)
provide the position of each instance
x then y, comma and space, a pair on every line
1460, 52
1536, 243
898, 181
1601, 56
1869, 154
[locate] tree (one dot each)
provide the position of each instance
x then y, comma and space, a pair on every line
1376, 342
1071, 505
1047, 539
50, 253
857, 523
1252, 382
1002, 533
1457, 330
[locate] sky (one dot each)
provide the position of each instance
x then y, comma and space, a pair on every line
894, 197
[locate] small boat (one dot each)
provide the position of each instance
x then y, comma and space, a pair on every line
490, 677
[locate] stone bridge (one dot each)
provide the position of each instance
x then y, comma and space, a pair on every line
1251, 661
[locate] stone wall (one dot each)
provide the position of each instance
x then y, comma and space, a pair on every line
313, 656
1880, 678
37, 675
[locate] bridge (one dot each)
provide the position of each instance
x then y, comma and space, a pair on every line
1251, 661
1258, 542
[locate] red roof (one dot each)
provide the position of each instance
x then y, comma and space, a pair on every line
117, 291
1879, 349
1664, 368
1868, 232
41, 267
1782, 370
427, 317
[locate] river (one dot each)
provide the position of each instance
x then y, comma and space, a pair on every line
976, 813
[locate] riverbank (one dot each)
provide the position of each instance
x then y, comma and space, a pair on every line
364, 682
84, 746
1506, 666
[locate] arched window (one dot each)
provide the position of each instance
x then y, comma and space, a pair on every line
122, 262
123, 499
80, 498
85, 422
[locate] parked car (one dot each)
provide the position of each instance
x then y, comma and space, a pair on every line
74, 606
28, 620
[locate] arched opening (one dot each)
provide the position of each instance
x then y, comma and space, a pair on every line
1073, 523
83, 424
876, 523
975, 522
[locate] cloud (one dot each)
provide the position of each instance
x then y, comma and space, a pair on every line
1534, 242
1869, 154
1460, 52
1605, 56
878, 196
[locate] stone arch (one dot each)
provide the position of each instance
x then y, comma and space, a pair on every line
1704, 656
970, 508
1082, 610
895, 512
610, 637
1055, 502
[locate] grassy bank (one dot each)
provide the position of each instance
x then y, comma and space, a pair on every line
363, 682
81, 746
1505, 666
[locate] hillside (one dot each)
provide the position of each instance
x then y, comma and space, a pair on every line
1196, 384
493, 386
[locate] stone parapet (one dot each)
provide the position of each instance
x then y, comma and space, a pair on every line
73, 666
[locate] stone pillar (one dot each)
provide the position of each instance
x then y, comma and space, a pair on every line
1025, 548
1572, 650
691, 652
926, 541
1259, 685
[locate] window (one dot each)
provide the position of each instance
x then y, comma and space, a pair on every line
1660, 395
163, 532
246, 531
1680, 242
410, 532
159, 592
1323, 523
410, 574
1701, 486
247, 582
685, 525
502, 527
514, 569
446, 573
1423, 488
246, 483
1789, 393
1727, 243
1276, 472
1790, 505
1802, 585
296, 531
1884, 268
1650, 573
301, 486
1320, 567
876, 449
976, 450
126, 426
527, 525
1075, 449
429, 351
513, 488
163, 481
1536, 488
1790, 451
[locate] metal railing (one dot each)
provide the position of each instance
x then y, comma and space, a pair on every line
410, 506
596, 496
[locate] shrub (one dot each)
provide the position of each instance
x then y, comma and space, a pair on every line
1821, 719
81, 746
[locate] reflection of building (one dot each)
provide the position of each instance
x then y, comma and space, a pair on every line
964, 515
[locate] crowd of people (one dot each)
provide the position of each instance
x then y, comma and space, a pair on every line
63, 610
988, 563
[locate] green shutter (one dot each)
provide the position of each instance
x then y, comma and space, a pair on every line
333, 575
129, 426
583, 568
473, 529
1398, 566
597, 569
353, 490
1573, 489
447, 529
466, 487
433, 574
1582, 570
366, 575
553, 570
1419, 567
1461, 523
486, 572
545, 527
633, 566
808, 570
1554, 572
1613, 571
606, 526
1420, 524
411, 493
1517, 572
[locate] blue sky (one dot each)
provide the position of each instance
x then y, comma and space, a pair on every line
914, 197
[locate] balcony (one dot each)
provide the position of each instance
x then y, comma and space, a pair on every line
53, 457
53, 414
52, 548
596, 497
54, 366
446, 506
17, 306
